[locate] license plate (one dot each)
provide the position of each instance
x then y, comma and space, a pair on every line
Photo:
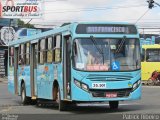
98, 85
111, 95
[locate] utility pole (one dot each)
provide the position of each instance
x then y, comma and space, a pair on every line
151, 4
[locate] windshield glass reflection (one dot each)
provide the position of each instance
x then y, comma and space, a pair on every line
106, 54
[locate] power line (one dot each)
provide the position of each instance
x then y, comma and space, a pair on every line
151, 4
29, 21
141, 16
157, 4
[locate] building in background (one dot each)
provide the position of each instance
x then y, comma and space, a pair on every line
6, 33
9, 31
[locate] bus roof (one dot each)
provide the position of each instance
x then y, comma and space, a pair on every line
151, 46
69, 27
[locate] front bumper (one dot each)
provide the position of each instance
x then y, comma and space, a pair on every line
80, 95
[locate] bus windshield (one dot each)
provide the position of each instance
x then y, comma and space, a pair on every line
96, 54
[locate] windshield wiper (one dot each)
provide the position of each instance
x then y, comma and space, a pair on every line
96, 45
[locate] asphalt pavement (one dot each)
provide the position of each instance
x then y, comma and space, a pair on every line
149, 104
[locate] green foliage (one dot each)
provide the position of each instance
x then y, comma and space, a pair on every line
22, 24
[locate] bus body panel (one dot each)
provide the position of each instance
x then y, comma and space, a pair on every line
46, 75
24, 75
45, 80
59, 73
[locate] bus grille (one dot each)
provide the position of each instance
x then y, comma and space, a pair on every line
98, 77
102, 93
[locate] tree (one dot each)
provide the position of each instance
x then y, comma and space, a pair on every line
22, 24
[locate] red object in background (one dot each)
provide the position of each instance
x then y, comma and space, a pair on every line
155, 76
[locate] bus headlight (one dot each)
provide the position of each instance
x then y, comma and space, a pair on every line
81, 85
139, 82
136, 85
78, 84
84, 87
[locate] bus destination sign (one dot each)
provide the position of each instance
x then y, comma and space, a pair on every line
105, 29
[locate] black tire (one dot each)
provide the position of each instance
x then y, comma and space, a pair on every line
33, 102
61, 104
113, 104
24, 99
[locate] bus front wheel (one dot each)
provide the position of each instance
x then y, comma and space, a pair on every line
24, 99
113, 104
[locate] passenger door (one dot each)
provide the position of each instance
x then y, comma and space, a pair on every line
33, 69
67, 66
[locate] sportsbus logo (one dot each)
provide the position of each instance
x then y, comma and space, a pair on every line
11, 8
21, 8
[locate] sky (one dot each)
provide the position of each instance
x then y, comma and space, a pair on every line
57, 12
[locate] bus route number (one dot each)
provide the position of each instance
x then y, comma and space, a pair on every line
98, 85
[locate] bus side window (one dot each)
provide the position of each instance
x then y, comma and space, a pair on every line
27, 53
152, 55
57, 48
21, 60
49, 50
42, 58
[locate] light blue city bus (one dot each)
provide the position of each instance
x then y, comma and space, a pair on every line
77, 62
